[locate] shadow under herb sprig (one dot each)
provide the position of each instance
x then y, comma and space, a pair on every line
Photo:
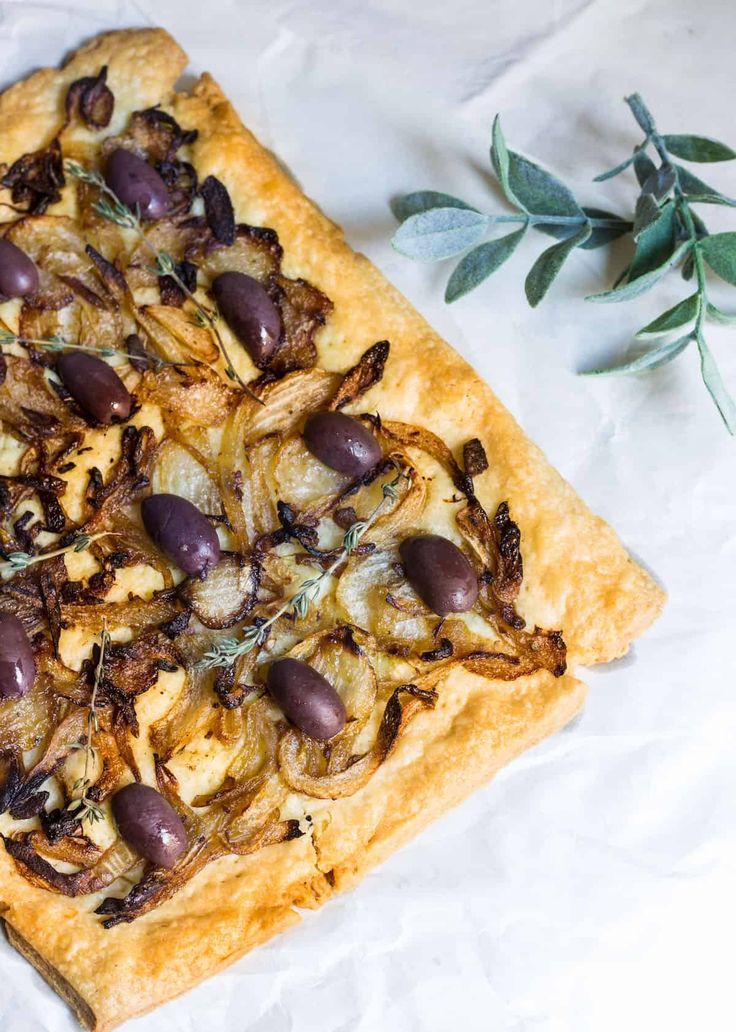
666, 230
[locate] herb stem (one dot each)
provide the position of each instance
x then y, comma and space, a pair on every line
22, 560
225, 652
88, 809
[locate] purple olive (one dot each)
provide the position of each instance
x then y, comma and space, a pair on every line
182, 532
95, 386
439, 573
250, 313
137, 184
18, 274
150, 824
342, 443
307, 698
17, 665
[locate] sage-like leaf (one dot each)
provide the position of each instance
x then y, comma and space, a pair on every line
500, 162
439, 233
647, 212
699, 192
548, 265
655, 244
479, 263
698, 148
644, 167
719, 251
538, 191
642, 283
660, 182
641, 113
716, 387
673, 319
425, 200
719, 316
650, 360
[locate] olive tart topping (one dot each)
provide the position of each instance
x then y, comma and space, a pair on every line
190, 506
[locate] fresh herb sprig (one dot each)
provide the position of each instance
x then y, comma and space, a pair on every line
87, 809
228, 650
666, 230
17, 561
110, 207
59, 343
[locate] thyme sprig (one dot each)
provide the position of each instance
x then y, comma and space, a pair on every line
87, 809
59, 343
228, 650
666, 231
110, 207
17, 561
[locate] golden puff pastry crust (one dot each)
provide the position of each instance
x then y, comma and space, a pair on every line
578, 577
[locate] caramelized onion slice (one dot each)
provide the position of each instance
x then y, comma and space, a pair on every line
114, 862
228, 593
178, 471
405, 702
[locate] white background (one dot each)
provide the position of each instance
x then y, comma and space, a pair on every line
590, 889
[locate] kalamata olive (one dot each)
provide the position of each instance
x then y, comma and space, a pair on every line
342, 443
18, 274
250, 313
439, 573
137, 184
95, 386
17, 665
149, 823
307, 698
182, 532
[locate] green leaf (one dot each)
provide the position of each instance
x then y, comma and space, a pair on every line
647, 212
642, 283
660, 182
650, 360
644, 167
698, 148
439, 233
641, 113
548, 265
719, 316
424, 200
716, 387
655, 244
719, 251
500, 162
674, 318
700, 192
479, 263
537, 190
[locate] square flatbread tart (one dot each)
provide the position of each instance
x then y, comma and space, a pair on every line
178, 319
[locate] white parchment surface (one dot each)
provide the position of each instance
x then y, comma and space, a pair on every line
591, 887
